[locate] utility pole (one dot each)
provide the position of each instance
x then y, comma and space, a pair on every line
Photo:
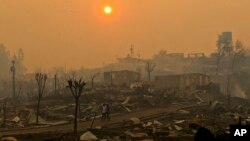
55, 84
150, 68
111, 77
13, 70
132, 50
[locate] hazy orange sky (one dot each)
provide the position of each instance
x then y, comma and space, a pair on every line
77, 33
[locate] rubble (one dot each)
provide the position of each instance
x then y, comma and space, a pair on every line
157, 123
32, 118
126, 101
88, 136
136, 135
179, 121
199, 98
16, 119
135, 121
183, 121
177, 127
184, 112
126, 108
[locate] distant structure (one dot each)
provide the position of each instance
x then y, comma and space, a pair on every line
131, 57
225, 40
195, 55
122, 77
163, 56
181, 81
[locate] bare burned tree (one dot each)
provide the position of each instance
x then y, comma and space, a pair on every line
41, 81
93, 79
239, 51
76, 89
220, 53
150, 68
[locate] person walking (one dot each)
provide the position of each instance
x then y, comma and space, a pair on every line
108, 112
104, 112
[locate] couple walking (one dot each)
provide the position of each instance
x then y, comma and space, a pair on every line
105, 112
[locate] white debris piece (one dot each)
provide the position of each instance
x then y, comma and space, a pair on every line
126, 101
136, 135
213, 105
126, 108
179, 121
88, 136
135, 120
199, 98
16, 119
8, 139
157, 123
184, 112
148, 124
32, 118
170, 128
177, 127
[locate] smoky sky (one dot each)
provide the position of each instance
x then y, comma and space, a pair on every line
76, 33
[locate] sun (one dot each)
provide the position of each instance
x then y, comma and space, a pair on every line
107, 10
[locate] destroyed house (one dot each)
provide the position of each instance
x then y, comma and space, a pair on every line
182, 81
123, 77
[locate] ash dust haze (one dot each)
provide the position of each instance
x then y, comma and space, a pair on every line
123, 70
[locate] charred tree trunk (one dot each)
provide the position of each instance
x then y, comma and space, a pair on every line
233, 62
38, 110
55, 91
150, 68
149, 76
92, 83
41, 81
76, 88
76, 115
4, 114
13, 70
93, 80
217, 67
228, 90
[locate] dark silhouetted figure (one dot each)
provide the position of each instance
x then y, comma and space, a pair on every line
108, 112
203, 134
104, 112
